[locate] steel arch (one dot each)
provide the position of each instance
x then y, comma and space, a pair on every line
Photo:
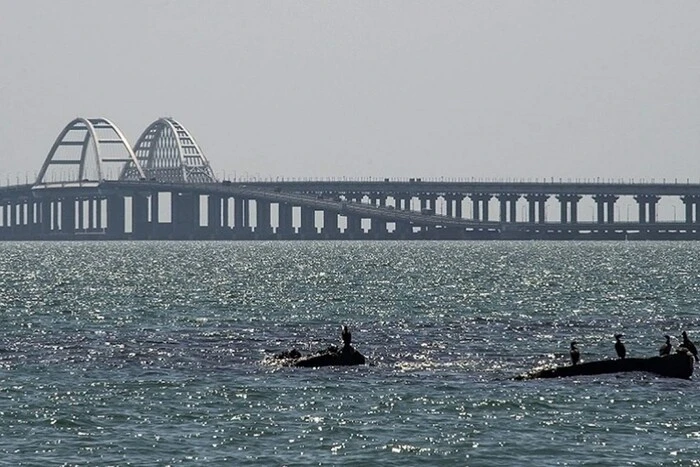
93, 134
166, 151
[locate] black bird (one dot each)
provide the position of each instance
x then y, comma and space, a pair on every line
688, 344
575, 354
619, 346
666, 348
347, 336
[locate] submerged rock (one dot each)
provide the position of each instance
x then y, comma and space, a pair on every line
332, 356
679, 365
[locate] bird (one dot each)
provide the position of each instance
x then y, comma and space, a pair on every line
666, 348
575, 354
688, 344
619, 346
346, 335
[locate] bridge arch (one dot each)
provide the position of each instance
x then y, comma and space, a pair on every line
87, 149
166, 151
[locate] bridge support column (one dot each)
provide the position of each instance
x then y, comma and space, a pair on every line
569, 208
330, 225
605, 204
285, 221
307, 230
263, 228
31, 227
449, 208
239, 213
80, 206
536, 208
508, 206
692, 208
214, 215
155, 230
224, 211
459, 200
45, 216
115, 216
90, 227
647, 208
480, 202
139, 216
68, 215
354, 226
185, 215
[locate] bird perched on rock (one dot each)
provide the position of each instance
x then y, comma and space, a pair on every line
346, 335
619, 346
575, 354
666, 348
688, 344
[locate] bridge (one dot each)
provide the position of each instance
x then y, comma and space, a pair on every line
94, 185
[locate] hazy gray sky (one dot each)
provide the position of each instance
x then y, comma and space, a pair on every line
383, 89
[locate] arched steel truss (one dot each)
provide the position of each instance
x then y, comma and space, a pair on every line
88, 149
167, 152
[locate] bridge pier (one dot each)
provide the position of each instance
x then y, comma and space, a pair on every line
692, 208
536, 208
307, 229
116, 216
508, 204
568, 208
480, 203
605, 204
68, 215
330, 225
185, 215
285, 221
263, 228
214, 227
139, 216
647, 208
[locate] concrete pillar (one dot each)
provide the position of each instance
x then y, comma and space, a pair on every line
155, 215
139, 216
263, 229
285, 222
689, 203
330, 224
563, 211
214, 215
91, 214
307, 230
185, 215
476, 206
485, 216
647, 208
458, 206
68, 215
80, 206
569, 208
224, 210
238, 214
605, 205
98, 214
449, 200
31, 228
46, 218
115, 216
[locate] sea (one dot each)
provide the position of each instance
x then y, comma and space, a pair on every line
161, 353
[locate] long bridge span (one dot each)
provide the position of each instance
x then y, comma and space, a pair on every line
94, 185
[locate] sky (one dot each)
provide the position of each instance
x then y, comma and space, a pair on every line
358, 89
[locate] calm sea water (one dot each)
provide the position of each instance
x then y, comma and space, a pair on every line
156, 353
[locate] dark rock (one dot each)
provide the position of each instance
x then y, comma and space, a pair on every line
679, 365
